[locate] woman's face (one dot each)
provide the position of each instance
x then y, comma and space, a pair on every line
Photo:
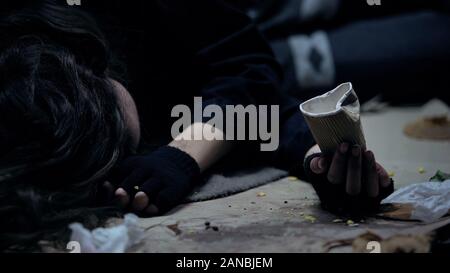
129, 110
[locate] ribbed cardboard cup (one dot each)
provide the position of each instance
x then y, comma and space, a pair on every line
334, 118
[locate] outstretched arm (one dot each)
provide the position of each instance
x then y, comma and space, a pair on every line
205, 152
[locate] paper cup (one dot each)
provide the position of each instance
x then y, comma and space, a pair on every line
334, 118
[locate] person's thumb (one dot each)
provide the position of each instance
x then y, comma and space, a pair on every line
318, 165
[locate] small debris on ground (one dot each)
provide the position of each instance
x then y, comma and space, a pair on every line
293, 178
175, 229
252, 203
310, 218
351, 223
285, 202
391, 174
421, 170
261, 194
208, 226
440, 176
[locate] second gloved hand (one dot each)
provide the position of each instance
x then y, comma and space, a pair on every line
351, 182
155, 183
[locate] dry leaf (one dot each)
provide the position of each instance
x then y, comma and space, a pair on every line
175, 229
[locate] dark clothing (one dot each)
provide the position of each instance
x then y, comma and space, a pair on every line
397, 49
175, 50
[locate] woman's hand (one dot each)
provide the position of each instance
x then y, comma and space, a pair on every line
155, 183
351, 181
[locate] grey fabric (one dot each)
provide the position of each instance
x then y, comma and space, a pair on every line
220, 186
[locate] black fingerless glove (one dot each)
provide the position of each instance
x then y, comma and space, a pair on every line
166, 175
333, 197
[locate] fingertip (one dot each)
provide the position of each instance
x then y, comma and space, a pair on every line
314, 165
343, 148
356, 150
370, 166
120, 192
371, 179
140, 201
323, 165
318, 165
108, 190
385, 180
369, 155
123, 197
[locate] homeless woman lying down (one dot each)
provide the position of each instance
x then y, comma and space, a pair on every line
76, 143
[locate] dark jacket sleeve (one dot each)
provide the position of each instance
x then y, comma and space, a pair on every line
238, 67
236, 64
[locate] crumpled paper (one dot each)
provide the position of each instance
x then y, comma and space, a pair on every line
116, 239
429, 200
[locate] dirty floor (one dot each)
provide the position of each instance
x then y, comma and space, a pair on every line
284, 216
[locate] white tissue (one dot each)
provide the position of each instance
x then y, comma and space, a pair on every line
115, 239
430, 200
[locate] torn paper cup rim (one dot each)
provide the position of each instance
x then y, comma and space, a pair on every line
332, 102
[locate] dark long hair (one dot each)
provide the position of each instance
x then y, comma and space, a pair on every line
61, 128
